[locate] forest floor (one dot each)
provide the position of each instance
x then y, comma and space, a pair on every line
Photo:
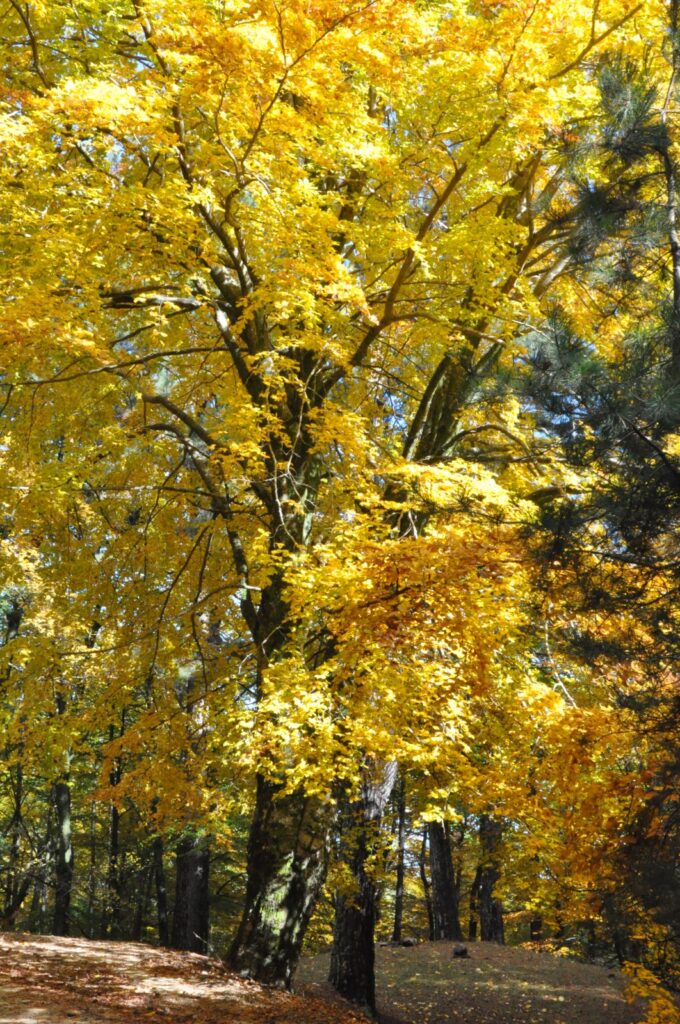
46, 980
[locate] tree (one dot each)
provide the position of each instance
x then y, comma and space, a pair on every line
272, 386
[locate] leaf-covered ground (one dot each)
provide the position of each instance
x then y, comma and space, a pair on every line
46, 980
496, 985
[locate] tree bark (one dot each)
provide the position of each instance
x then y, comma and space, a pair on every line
490, 908
352, 969
63, 866
191, 916
401, 842
287, 861
12, 885
445, 895
427, 887
111, 915
144, 884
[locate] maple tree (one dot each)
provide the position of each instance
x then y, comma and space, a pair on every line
269, 479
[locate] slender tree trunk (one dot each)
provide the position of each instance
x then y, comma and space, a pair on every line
427, 887
191, 916
145, 883
474, 906
111, 916
352, 970
445, 920
401, 842
161, 892
536, 928
287, 861
92, 879
63, 867
12, 884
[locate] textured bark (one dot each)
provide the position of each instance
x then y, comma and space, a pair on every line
352, 969
63, 865
445, 893
490, 908
287, 861
191, 916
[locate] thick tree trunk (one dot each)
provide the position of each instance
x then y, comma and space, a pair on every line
445, 895
63, 865
401, 842
287, 861
161, 892
191, 917
490, 908
352, 970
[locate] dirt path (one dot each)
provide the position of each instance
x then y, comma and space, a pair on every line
497, 985
46, 980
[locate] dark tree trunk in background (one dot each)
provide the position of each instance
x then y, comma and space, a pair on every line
144, 885
427, 888
352, 970
15, 828
490, 908
474, 906
111, 915
287, 860
536, 928
401, 841
161, 892
191, 917
445, 895
63, 864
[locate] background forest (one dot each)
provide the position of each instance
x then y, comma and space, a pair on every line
340, 476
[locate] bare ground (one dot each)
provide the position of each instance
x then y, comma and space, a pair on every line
46, 980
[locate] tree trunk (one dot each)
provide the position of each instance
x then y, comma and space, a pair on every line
191, 917
490, 909
12, 903
401, 842
445, 895
352, 970
63, 867
144, 884
111, 915
427, 887
161, 892
536, 928
287, 861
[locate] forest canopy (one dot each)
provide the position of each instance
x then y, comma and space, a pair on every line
340, 475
